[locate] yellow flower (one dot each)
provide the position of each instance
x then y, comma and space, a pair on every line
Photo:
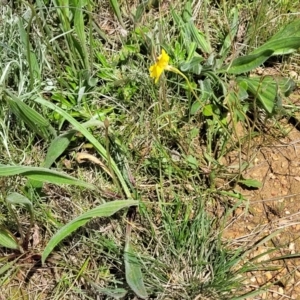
161, 64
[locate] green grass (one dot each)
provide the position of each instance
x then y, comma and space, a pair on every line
75, 79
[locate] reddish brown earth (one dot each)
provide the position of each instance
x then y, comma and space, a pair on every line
275, 206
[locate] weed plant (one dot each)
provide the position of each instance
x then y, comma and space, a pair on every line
110, 179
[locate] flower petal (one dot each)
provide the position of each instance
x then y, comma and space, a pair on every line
161, 64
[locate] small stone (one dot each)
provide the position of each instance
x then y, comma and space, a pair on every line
268, 275
264, 296
293, 75
292, 248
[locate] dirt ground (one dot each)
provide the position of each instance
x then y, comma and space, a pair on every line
274, 206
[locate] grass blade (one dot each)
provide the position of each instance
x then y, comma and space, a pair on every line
116, 8
104, 210
79, 29
35, 72
91, 138
43, 174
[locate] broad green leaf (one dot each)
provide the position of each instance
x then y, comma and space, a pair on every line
192, 161
192, 30
42, 174
134, 276
265, 89
247, 63
195, 107
285, 85
104, 210
61, 143
290, 30
194, 65
208, 110
16, 198
36, 122
251, 183
206, 93
79, 127
57, 147
140, 11
7, 240
279, 47
199, 38
189, 32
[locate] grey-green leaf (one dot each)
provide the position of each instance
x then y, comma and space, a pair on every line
16, 198
290, 30
265, 89
104, 210
134, 276
247, 63
279, 47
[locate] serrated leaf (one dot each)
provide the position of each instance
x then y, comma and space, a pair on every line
134, 276
42, 174
104, 210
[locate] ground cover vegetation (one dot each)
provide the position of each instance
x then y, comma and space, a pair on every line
116, 119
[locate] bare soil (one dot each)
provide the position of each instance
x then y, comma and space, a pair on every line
273, 207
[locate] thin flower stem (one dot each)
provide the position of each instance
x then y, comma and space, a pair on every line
175, 70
